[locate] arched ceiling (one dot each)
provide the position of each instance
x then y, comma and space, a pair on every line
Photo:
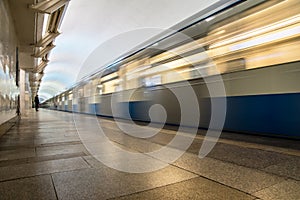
89, 24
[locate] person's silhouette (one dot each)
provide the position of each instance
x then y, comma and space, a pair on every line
37, 102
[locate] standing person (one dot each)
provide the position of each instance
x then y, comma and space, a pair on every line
37, 102
18, 105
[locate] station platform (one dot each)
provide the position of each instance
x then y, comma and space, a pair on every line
43, 157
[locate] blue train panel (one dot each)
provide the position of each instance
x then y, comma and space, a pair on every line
75, 107
271, 114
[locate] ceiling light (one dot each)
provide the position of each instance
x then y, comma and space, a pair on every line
41, 67
42, 52
49, 37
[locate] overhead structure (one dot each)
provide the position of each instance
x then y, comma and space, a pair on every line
41, 52
49, 6
45, 41
53, 11
37, 23
41, 66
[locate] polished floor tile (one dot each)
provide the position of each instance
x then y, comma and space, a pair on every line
290, 168
39, 168
203, 189
108, 183
239, 177
289, 189
60, 149
33, 188
43, 157
17, 154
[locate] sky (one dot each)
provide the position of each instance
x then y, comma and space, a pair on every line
94, 33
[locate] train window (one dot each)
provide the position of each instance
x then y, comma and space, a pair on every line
109, 77
152, 81
107, 84
80, 92
87, 89
131, 74
110, 86
262, 38
70, 97
99, 89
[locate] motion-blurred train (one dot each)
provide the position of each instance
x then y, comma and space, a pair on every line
254, 45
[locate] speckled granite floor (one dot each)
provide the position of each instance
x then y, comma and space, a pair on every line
43, 157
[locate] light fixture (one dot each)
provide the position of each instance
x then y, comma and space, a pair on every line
41, 67
41, 52
49, 37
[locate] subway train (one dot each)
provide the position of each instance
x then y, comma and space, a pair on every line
250, 47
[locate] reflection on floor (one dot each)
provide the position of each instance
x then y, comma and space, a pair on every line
42, 157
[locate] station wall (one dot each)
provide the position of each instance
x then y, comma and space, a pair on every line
9, 90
